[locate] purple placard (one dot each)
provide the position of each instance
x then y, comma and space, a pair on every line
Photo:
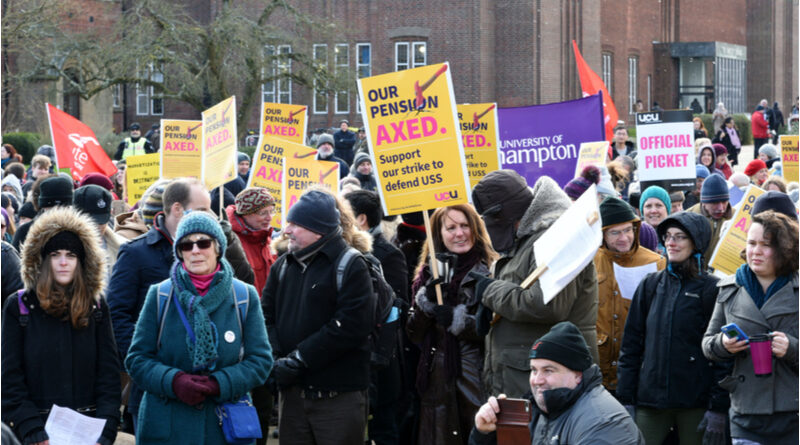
546, 139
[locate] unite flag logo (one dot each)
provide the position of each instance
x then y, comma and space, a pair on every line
76, 146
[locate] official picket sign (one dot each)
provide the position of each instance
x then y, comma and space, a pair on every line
726, 258
300, 172
141, 172
181, 148
543, 140
413, 131
219, 143
789, 157
267, 168
283, 121
665, 144
479, 136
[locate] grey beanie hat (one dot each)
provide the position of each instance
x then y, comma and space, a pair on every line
325, 138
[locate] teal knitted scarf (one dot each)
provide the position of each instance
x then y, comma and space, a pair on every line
197, 309
746, 278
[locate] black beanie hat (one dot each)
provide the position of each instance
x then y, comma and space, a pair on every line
65, 240
315, 211
55, 190
777, 201
564, 344
27, 210
615, 211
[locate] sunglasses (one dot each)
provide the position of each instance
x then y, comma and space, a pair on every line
187, 246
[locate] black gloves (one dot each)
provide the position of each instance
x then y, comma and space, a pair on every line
287, 370
713, 427
443, 314
482, 283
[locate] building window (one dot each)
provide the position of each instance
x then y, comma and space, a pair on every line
633, 84
410, 55
363, 65
116, 95
320, 95
342, 61
277, 89
607, 70
148, 100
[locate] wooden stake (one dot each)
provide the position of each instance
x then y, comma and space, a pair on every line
221, 194
432, 250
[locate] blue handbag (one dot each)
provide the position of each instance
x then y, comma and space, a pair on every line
239, 421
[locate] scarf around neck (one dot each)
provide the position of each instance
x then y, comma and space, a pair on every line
746, 278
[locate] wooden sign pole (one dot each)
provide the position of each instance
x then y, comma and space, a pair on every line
432, 250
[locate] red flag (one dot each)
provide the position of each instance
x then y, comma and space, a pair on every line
591, 84
76, 146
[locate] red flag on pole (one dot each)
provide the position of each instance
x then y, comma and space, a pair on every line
591, 84
76, 146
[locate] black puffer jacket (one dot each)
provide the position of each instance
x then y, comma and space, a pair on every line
661, 362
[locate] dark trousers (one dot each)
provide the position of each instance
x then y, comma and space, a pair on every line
262, 400
338, 420
757, 143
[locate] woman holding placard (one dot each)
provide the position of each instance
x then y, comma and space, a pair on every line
451, 363
662, 373
761, 300
58, 346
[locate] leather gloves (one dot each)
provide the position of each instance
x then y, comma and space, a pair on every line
713, 427
443, 314
193, 389
287, 370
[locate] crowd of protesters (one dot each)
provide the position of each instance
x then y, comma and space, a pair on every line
150, 315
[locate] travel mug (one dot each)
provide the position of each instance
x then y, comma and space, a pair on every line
761, 353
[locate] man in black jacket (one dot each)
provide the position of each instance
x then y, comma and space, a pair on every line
318, 330
387, 383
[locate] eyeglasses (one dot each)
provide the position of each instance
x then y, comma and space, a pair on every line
678, 238
269, 211
627, 231
187, 246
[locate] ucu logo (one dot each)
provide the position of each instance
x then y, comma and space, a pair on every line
446, 196
648, 118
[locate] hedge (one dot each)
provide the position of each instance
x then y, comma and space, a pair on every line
26, 144
741, 121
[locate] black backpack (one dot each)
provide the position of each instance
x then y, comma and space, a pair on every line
386, 320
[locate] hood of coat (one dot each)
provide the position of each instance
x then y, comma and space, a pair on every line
132, 222
360, 240
50, 223
548, 203
694, 224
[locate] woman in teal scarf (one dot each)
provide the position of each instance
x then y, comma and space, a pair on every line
761, 298
196, 346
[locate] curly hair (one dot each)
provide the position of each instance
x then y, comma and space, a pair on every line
782, 234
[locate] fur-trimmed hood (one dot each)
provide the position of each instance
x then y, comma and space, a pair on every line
548, 203
361, 241
56, 220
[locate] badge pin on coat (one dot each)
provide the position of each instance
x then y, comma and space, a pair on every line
230, 336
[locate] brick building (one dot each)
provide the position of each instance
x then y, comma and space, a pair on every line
519, 53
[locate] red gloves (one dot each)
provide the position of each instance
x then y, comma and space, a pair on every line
193, 389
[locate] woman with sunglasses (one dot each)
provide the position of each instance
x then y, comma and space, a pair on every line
663, 377
57, 343
198, 342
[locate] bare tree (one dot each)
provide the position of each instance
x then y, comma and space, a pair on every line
158, 45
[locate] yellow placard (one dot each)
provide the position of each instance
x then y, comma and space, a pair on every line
181, 145
141, 172
219, 143
789, 153
283, 121
479, 136
413, 130
726, 257
267, 171
300, 172
591, 153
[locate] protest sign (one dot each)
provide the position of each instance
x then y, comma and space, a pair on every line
300, 171
568, 245
180, 149
141, 172
665, 141
789, 157
591, 153
732, 241
267, 170
412, 128
76, 146
219, 143
283, 121
543, 140
735, 195
479, 136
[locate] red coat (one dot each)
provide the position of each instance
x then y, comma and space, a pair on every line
725, 169
759, 125
256, 247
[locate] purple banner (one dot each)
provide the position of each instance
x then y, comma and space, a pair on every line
546, 139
